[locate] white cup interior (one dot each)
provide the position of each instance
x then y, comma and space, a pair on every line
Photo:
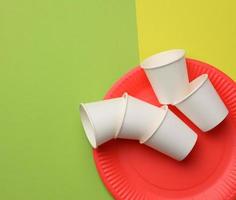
88, 126
163, 58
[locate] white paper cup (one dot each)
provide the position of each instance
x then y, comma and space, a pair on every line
203, 106
167, 73
102, 120
173, 138
141, 119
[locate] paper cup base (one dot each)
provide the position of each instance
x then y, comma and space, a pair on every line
203, 106
173, 138
167, 73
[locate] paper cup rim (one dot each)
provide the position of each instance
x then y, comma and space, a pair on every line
88, 125
146, 138
125, 99
202, 80
162, 59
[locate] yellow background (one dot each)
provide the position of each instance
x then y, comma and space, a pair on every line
205, 29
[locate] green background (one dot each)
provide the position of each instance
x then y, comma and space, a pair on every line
53, 56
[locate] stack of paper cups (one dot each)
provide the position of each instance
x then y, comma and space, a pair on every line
125, 117
173, 137
157, 127
130, 118
203, 106
167, 73
102, 120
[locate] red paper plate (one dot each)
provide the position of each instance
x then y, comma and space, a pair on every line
134, 171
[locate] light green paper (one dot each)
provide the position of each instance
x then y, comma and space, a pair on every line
53, 56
